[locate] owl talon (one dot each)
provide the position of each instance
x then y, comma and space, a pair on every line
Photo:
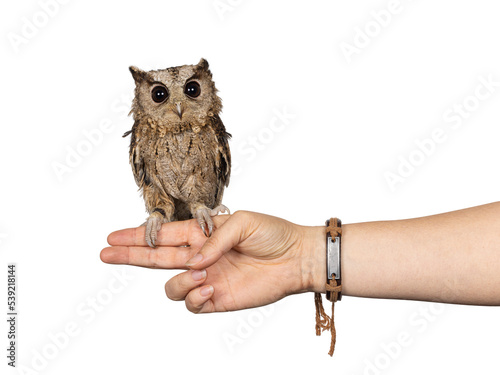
153, 226
202, 226
220, 208
204, 217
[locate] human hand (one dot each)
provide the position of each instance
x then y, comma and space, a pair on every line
250, 260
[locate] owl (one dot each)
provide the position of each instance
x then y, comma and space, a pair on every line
179, 149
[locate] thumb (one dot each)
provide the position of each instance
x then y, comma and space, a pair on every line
227, 236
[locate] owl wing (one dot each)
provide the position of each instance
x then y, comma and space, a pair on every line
223, 159
136, 159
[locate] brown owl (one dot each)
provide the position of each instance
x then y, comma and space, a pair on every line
179, 149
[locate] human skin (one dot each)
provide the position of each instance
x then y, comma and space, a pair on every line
254, 259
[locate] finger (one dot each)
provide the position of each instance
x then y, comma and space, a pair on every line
228, 235
161, 257
220, 219
198, 300
179, 286
176, 233
171, 234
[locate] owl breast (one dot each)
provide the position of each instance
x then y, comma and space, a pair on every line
182, 164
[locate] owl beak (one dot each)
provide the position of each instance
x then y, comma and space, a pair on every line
179, 109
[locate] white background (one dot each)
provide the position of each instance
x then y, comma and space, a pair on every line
354, 117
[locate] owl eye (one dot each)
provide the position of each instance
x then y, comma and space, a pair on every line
192, 89
159, 94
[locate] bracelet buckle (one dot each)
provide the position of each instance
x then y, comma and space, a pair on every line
333, 256
333, 259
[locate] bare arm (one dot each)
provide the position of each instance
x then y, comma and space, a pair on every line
254, 259
452, 257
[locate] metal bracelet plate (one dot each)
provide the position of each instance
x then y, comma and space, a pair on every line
333, 258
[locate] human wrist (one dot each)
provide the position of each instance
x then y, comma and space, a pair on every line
314, 259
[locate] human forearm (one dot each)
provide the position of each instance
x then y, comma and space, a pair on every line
452, 257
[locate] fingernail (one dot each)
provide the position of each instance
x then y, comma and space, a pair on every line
196, 259
206, 290
199, 275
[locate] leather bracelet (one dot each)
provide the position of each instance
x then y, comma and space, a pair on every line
333, 285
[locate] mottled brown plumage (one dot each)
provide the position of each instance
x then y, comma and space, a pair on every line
179, 149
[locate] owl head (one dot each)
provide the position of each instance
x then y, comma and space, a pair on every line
181, 94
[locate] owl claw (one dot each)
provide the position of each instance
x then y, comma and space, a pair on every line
204, 220
203, 228
153, 226
204, 217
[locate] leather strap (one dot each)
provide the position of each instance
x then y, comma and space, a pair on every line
333, 290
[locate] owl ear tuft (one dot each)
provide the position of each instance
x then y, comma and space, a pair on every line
138, 74
203, 64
